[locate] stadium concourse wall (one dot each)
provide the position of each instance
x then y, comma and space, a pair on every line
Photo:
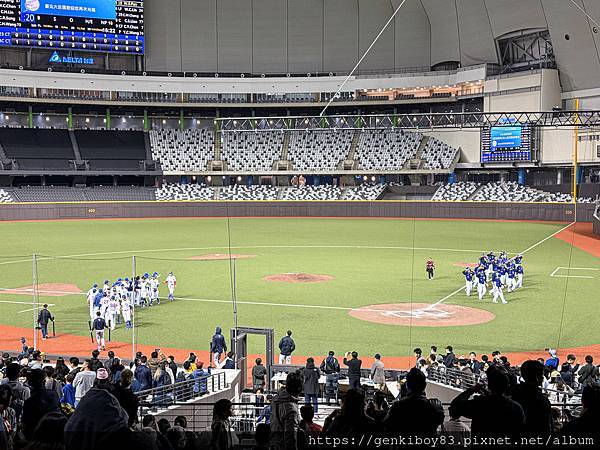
562, 212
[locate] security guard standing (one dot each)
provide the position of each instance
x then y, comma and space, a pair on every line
331, 368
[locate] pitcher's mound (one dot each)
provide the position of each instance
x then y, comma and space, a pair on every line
220, 256
423, 314
46, 290
298, 278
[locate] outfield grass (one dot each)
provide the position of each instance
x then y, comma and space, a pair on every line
373, 261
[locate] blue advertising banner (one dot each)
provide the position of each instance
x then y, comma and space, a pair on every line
92, 9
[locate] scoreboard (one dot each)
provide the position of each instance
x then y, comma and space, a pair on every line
115, 26
510, 142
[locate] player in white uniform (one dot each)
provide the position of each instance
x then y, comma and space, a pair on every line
171, 282
144, 293
90, 301
154, 283
112, 309
497, 291
104, 306
127, 311
106, 286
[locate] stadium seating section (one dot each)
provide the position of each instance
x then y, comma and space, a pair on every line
37, 148
455, 192
110, 150
5, 197
438, 155
183, 150
251, 151
386, 149
319, 150
185, 192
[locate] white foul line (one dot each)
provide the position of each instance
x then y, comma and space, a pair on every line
22, 303
442, 300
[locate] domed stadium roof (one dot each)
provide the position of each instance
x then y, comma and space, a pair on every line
297, 36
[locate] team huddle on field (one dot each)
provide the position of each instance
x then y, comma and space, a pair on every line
501, 271
116, 302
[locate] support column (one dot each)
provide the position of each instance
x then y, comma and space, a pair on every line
70, 118
30, 117
522, 176
108, 118
146, 124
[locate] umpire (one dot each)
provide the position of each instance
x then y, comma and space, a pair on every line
331, 368
44, 317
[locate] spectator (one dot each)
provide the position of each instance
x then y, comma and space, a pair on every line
351, 419
36, 360
154, 362
40, 402
221, 437
475, 365
307, 425
456, 429
68, 392
552, 362
286, 348
414, 413
200, 375
259, 372
173, 366
94, 362
218, 346
114, 371
228, 362
491, 412
163, 426
418, 356
450, 358
83, 381
265, 413
20, 392
284, 414
437, 358
8, 417
588, 373
354, 365
466, 378
143, 374
378, 373
99, 422
588, 420
49, 434
311, 384
74, 365
127, 399
61, 370
378, 409
262, 436
331, 368
109, 362
536, 407
50, 381
177, 437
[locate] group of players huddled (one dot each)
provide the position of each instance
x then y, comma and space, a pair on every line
116, 302
499, 271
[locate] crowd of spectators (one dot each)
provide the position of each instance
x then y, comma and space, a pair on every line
95, 403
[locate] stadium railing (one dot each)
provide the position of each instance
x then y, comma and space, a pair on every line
181, 392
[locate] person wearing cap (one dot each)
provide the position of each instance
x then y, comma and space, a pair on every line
98, 326
154, 284
171, 282
552, 362
43, 318
331, 368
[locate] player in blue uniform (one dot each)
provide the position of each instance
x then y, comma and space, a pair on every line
510, 278
519, 282
497, 291
481, 284
468, 273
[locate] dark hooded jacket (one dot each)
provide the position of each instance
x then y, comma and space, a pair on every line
311, 379
284, 421
218, 344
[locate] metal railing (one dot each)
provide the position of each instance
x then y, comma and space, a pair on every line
181, 392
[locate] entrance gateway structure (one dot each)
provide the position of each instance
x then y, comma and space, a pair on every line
239, 346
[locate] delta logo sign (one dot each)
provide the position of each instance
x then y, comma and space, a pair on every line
57, 59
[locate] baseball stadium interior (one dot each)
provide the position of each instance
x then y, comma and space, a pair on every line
278, 224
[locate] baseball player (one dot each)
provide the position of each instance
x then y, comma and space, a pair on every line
171, 282
481, 284
112, 309
468, 273
519, 260
106, 286
137, 291
144, 294
430, 268
98, 326
502, 272
91, 296
154, 283
519, 282
510, 278
127, 311
497, 290
104, 304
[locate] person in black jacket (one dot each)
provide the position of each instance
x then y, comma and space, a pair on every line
491, 412
536, 406
311, 384
41, 402
259, 372
127, 399
414, 413
588, 420
331, 368
44, 317
450, 358
286, 348
218, 346
354, 365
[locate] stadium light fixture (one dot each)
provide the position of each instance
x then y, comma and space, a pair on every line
87, 120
